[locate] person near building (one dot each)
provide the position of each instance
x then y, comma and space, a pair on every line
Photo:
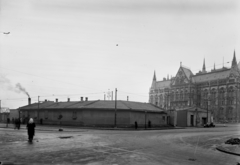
31, 129
136, 125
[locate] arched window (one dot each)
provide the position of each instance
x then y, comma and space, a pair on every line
176, 96
172, 96
221, 93
156, 100
161, 100
221, 96
230, 96
181, 95
213, 97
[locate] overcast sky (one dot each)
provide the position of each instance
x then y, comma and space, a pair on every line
73, 48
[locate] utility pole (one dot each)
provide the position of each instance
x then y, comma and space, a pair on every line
115, 115
145, 119
237, 101
38, 102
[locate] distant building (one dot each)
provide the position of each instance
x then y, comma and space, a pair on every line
4, 110
96, 113
4, 114
216, 91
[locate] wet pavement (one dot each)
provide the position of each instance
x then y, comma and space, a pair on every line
114, 147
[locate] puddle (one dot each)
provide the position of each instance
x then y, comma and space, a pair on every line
65, 137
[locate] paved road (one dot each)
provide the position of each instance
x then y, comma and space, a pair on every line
111, 147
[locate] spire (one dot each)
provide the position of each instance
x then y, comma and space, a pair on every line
154, 76
204, 67
234, 61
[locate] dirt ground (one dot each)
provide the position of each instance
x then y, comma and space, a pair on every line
118, 147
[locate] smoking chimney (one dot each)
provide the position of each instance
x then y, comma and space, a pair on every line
29, 101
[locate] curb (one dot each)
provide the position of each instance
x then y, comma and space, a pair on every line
228, 152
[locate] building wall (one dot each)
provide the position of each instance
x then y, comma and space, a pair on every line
182, 119
3, 117
207, 95
13, 114
93, 117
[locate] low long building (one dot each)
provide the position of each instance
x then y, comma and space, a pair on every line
95, 113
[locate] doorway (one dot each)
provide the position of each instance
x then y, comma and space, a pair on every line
204, 120
192, 120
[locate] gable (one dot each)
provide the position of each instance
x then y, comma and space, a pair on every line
181, 77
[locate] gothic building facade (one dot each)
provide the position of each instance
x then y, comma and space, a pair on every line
216, 91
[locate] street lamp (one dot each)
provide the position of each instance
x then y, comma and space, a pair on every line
208, 99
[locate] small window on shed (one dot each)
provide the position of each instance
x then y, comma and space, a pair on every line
163, 118
74, 115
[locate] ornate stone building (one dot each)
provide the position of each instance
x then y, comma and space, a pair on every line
216, 91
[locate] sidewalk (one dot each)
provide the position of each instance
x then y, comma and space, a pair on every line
229, 149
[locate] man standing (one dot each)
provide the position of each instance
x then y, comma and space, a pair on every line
31, 129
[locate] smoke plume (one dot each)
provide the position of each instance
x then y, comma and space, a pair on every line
21, 89
6, 83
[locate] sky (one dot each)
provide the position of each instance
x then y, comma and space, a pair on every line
87, 48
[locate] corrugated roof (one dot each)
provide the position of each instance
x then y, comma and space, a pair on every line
97, 104
211, 76
36, 105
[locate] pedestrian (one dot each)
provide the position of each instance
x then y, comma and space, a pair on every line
31, 129
16, 123
19, 123
149, 124
136, 125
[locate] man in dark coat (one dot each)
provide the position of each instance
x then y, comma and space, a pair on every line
31, 129
136, 125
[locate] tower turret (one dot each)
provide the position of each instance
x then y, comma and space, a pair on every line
204, 67
234, 61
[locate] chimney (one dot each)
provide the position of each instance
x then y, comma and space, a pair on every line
56, 100
45, 100
81, 98
86, 99
127, 98
68, 99
29, 101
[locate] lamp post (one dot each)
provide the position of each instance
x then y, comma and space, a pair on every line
115, 111
208, 99
237, 88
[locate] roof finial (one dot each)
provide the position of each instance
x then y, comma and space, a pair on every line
181, 63
204, 67
154, 76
